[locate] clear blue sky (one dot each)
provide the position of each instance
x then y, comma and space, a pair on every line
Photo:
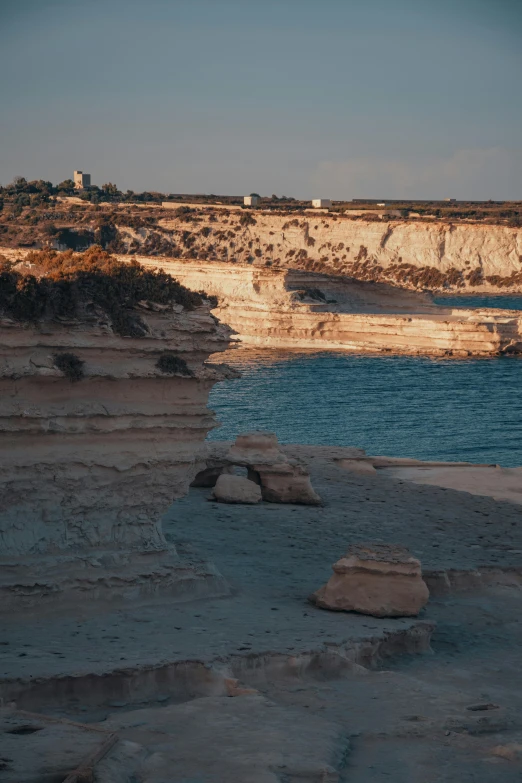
384, 98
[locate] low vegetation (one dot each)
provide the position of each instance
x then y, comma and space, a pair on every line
70, 364
68, 285
170, 364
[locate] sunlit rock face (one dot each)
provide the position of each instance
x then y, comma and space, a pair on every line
418, 254
282, 308
88, 466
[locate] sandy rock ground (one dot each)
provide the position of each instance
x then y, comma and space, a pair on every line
496, 482
148, 671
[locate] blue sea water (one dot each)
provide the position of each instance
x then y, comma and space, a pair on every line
402, 406
504, 301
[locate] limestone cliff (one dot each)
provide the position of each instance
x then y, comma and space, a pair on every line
419, 254
99, 433
293, 309
411, 253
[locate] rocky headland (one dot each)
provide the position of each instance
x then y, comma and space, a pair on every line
104, 386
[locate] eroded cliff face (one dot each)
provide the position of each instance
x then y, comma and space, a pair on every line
415, 254
293, 309
411, 253
87, 468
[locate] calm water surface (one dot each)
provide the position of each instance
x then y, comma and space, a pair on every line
402, 406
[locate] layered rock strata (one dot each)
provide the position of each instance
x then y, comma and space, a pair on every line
290, 309
87, 468
382, 580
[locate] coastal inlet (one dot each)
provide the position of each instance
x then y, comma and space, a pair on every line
437, 409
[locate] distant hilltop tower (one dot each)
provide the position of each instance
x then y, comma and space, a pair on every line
81, 180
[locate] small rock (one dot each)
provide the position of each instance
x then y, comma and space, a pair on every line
480, 707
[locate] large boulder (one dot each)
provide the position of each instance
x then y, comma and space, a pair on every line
236, 489
382, 580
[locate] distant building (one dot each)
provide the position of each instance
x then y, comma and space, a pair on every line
450, 199
321, 203
390, 213
250, 201
81, 180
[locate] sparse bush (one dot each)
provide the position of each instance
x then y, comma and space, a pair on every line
214, 301
362, 254
65, 284
184, 213
246, 219
476, 277
170, 364
70, 364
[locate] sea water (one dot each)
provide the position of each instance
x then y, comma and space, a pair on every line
401, 406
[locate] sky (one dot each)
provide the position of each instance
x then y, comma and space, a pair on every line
307, 98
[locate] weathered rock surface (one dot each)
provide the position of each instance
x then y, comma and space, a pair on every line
87, 468
248, 739
36, 748
281, 308
236, 489
377, 579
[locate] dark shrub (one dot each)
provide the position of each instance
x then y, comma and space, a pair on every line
70, 365
246, 219
170, 364
68, 282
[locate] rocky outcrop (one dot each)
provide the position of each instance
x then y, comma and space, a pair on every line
282, 479
291, 309
100, 433
377, 579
